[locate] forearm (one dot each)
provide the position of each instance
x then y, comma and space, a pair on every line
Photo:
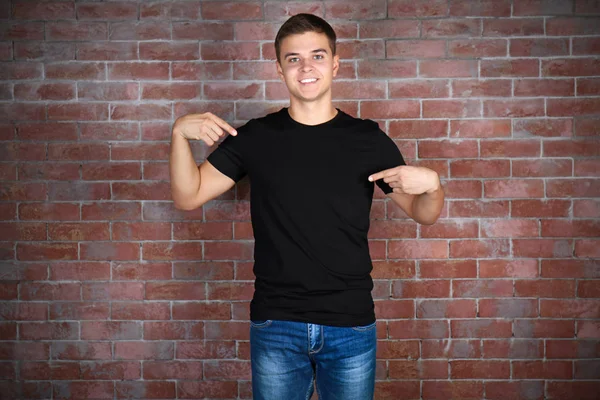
184, 173
427, 206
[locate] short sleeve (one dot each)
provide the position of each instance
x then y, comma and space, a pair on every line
228, 158
388, 156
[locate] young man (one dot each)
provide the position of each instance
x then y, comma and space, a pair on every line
312, 170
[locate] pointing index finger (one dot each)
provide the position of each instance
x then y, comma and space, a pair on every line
224, 125
379, 175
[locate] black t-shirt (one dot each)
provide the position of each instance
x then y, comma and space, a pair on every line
310, 203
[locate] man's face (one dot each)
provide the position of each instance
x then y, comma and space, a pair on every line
307, 66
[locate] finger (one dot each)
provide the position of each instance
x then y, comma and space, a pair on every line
212, 127
381, 174
223, 124
212, 135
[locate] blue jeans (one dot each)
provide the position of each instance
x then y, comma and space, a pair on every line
287, 356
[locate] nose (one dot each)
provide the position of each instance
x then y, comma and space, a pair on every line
306, 65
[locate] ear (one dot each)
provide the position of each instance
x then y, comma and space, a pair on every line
279, 71
336, 64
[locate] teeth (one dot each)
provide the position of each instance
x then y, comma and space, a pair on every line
308, 80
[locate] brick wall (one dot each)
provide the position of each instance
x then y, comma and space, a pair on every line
107, 291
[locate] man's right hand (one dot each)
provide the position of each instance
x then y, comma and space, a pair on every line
206, 127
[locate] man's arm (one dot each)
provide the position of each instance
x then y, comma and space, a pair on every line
416, 190
192, 186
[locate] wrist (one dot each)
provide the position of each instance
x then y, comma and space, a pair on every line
436, 185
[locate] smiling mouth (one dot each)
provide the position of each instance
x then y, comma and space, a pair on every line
308, 81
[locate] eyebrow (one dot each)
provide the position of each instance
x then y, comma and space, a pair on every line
296, 54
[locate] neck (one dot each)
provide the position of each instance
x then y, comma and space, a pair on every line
312, 113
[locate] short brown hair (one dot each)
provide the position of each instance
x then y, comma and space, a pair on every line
302, 23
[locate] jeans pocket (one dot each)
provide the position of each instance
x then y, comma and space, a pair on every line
261, 323
365, 327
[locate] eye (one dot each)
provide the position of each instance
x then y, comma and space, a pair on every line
293, 59
319, 56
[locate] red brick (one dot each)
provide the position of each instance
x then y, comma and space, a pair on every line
511, 67
46, 251
516, 228
204, 271
390, 389
230, 51
571, 147
420, 369
481, 328
479, 208
587, 369
113, 291
450, 229
206, 350
461, 189
513, 26
573, 308
144, 30
513, 108
588, 329
540, 208
572, 348
355, 9
586, 46
418, 128
383, 229
415, 49
168, 11
542, 7
448, 269
107, 11
451, 108
50, 370
476, 48
417, 289
79, 310
482, 288
47, 171
448, 69
48, 331
499, 390
116, 370
545, 87
81, 350
389, 29
418, 8
23, 191
586, 208
138, 71
419, 89
570, 228
207, 389
543, 127
139, 311
422, 249
573, 188
478, 128
227, 330
419, 329
452, 390
398, 349
545, 288
455, 148
172, 370
8, 330
462, 369
23, 311
173, 330
393, 269
455, 27
451, 348
508, 308
145, 390
539, 47
482, 88
110, 330
80, 271
461, 308
513, 348
587, 126
83, 389
484, 248
172, 251
227, 369
547, 248
590, 288
131, 350
110, 211
393, 309
49, 291
544, 328
587, 167
541, 168
360, 49
514, 188
479, 168
197, 310
570, 67
570, 268
385, 109
174, 291
386, 69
